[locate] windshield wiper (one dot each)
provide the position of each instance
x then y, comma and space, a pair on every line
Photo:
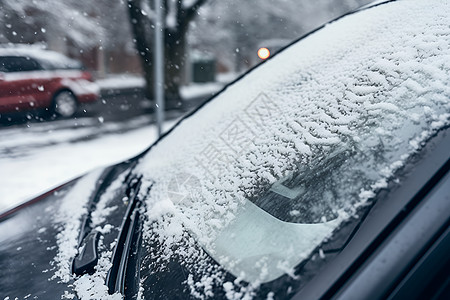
87, 256
125, 252
88, 252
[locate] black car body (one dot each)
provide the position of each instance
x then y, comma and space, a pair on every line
321, 174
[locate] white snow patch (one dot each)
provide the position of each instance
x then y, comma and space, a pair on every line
121, 81
102, 210
64, 160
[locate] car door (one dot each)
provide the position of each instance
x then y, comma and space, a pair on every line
22, 84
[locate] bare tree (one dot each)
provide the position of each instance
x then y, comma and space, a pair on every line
178, 15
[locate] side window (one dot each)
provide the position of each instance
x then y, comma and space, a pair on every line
18, 64
4, 66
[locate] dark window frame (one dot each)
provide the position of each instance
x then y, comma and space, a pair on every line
16, 64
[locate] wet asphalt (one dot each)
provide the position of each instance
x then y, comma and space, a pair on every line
114, 105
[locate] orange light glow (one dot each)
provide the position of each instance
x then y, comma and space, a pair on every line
263, 53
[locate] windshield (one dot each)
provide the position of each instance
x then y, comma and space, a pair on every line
263, 174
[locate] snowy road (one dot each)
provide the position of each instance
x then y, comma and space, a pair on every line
38, 156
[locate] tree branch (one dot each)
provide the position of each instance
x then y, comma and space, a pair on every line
189, 13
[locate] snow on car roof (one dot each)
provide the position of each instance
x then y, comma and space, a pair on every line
38, 52
28, 50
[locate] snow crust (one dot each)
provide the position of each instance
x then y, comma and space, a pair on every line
369, 89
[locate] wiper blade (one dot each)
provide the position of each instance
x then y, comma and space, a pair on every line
128, 236
117, 274
87, 256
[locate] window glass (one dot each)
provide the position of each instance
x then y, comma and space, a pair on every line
18, 64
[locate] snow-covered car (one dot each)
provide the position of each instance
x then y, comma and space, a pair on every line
35, 79
322, 173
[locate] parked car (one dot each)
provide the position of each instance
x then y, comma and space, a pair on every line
35, 79
322, 173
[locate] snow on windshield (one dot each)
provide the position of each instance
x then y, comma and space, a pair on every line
353, 100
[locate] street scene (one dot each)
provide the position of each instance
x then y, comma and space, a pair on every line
45, 153
203, 149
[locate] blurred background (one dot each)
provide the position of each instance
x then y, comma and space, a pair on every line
207, 43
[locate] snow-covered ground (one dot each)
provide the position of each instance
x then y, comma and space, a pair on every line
121, 81
44, 155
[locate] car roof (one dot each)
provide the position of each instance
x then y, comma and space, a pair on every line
37, 52
25, 50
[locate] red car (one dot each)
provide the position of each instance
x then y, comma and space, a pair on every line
34, 79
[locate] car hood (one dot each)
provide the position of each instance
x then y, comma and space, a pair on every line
39, 239
28, 239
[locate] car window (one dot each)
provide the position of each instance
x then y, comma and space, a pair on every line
18, 64
270, 168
